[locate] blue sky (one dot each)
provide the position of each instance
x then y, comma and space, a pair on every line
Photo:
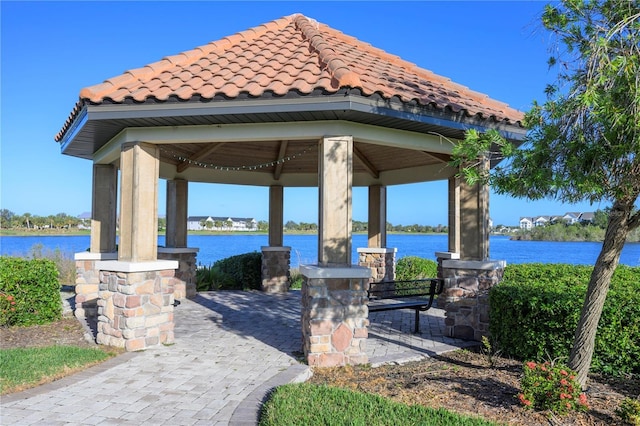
51, 50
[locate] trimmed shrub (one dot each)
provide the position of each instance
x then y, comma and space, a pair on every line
29, 290
414, 267
552, 387
241, 272
535, 312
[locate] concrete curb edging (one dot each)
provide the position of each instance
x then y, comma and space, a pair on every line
248, 412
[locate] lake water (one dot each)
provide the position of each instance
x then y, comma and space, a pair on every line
304, 247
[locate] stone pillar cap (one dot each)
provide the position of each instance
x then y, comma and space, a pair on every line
382, 250
123, 266
315, 271
275, 248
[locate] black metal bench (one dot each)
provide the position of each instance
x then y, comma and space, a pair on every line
414, 294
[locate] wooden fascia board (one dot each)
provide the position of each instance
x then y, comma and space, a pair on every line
308, 130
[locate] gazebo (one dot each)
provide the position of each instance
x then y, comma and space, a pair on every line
290, 103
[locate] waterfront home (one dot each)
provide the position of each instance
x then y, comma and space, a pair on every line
221, 223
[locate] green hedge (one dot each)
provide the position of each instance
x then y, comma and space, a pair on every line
413, 268
535, 312
241, 272
29, 291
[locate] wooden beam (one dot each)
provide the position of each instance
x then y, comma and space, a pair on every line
283, 150
366, 163
443, 158
209, 149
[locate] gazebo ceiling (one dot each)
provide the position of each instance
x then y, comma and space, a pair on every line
251, 108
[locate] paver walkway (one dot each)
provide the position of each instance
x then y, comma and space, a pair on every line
230, 349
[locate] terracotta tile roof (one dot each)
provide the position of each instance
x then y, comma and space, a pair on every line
291, 54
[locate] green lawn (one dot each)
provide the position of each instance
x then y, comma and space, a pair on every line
23, 368
307, 404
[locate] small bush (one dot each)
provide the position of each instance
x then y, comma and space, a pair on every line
535, 311
551, 387
413, 268
629, 411
30, 291
241, 272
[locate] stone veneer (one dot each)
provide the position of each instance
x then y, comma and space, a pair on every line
135, 304
276, 264
465, 298
381, 261
334, 315
87, 285
185, 284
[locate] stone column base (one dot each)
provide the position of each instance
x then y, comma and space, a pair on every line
185, 278
87, 285
334, 315
381, 261
135, 305
276, 268
466, 295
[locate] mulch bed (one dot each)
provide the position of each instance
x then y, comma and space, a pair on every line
471, 383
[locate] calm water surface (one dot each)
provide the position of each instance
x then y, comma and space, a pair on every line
304, 247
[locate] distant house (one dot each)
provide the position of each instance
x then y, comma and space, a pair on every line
568, 218
84, 220
220, 223
571, 217
526, 223
541, 220
587, 217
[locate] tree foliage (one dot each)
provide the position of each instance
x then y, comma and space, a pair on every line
583, 141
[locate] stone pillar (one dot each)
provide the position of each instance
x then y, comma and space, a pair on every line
454, 215
103, 208
381, 261
335, 168
334, 293
102, 245
185, 275
276, 262
377, 216
276, 215
334, 315
474, 221
139, 167
135, 305
177, 200
465, 298
87, 285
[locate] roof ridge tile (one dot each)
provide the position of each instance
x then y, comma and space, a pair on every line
338, 69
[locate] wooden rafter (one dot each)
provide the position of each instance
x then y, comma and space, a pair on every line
203, 153
281, 153
366, 163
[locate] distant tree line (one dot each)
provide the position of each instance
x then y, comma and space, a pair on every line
10, 220
358, 226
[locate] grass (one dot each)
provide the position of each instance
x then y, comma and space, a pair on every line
23, 368
307, 404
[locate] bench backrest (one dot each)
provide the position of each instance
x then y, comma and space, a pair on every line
409, 288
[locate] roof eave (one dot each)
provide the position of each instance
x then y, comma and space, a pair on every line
339, 103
